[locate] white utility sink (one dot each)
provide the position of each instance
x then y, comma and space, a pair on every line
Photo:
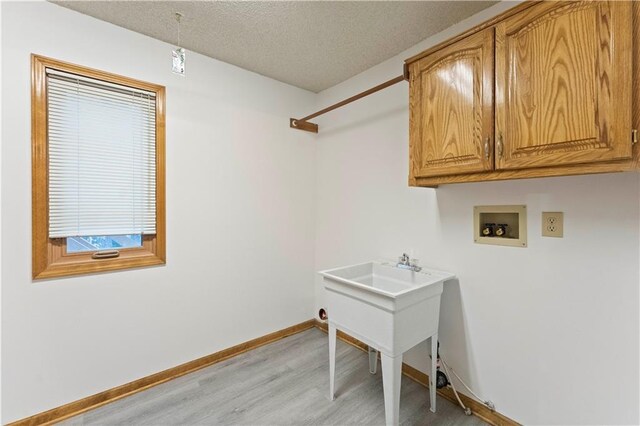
391, 310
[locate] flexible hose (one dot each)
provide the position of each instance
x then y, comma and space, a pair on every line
453, 387
461, 381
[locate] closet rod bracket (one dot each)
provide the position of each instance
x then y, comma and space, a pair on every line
307, 126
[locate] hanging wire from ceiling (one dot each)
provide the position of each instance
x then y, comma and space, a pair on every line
178, 54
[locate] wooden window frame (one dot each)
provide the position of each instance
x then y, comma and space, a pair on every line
49, 255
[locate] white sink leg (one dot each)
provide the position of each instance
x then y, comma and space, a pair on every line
434, 371
391, 378
373, 360
332, 360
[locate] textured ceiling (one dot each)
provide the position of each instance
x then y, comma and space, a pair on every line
310, 44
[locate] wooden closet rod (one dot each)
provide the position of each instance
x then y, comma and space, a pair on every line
303, 124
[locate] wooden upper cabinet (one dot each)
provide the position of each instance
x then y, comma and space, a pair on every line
563, 85
451, 109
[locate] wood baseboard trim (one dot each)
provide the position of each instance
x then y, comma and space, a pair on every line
94, 401
477, 408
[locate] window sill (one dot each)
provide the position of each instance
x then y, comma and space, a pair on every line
71, 265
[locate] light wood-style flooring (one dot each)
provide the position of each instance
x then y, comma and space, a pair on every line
283, 383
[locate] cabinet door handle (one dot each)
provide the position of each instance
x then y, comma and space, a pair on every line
487, 154
499, 147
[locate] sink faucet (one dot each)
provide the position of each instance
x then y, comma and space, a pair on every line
404, 262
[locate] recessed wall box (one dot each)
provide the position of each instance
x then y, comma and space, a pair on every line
500, 225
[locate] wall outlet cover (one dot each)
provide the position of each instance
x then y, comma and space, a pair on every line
552, 224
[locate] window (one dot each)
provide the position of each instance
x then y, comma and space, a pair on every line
97, 170
102, 242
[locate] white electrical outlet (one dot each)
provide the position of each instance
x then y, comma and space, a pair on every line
552, 224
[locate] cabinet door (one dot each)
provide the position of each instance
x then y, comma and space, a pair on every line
563, 84
451, 109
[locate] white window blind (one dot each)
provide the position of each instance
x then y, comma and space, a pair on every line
102, 159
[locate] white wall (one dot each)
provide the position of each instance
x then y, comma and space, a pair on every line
240, 221
531, 329
0, 226
549, 333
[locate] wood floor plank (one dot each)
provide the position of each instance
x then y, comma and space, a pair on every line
283, 383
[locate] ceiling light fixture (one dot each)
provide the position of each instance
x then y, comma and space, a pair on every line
178, 53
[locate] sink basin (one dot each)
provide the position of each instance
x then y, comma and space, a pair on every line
384, 278
391, 310
382, 285
386, 307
